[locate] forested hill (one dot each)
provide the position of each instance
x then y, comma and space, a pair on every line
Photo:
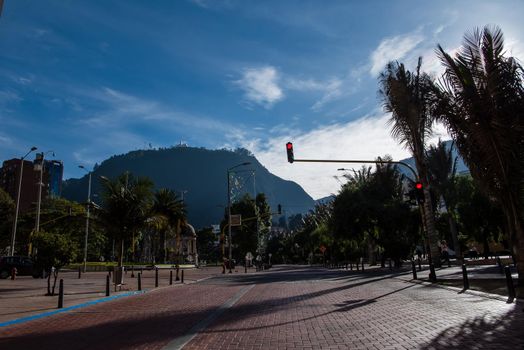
200, 172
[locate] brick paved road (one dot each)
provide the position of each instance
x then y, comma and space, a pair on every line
286, 308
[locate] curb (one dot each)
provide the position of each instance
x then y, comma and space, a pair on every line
69, 308
461, 291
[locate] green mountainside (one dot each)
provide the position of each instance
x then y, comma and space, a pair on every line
200, 172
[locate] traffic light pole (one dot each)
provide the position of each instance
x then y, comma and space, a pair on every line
358, 161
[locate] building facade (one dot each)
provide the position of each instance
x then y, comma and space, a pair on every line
51, 180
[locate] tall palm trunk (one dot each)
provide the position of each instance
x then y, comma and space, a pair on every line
121, 253
432, 234
454, 234
428, 214
516, 232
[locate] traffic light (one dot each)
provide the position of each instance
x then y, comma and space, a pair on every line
419, 192
279, 209
289, 149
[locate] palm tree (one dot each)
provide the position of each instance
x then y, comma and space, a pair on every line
481, 101
169, 212
125, 209
442, 168
406, 95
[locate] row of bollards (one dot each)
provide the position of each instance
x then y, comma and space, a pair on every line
357, 266
465, 280
108, 284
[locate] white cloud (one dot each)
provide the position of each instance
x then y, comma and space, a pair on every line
515, 48
395, 48
362, 139
260, 86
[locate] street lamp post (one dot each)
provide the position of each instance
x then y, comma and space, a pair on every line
40, 185
87, 215
229, 208
13, 235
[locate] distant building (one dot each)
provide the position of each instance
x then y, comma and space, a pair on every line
55, 173
51, 178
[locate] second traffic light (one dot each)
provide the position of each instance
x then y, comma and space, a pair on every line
289, 149
419, 192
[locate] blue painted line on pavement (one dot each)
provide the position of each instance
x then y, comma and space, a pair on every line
65, 309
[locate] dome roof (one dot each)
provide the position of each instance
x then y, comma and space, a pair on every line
188, 230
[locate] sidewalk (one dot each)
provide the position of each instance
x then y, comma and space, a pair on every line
483, 278
25, 296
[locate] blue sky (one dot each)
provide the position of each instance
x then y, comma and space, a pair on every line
89, 79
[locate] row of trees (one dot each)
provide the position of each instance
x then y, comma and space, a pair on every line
373, 217
480, 99
130, 212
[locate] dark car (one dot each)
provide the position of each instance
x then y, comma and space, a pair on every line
23, 265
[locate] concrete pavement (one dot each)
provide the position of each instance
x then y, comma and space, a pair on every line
287, 307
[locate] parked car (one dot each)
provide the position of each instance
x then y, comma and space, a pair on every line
23, 264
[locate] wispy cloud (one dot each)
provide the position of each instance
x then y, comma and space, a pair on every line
7, 96
261, 86
394, 48
331, 89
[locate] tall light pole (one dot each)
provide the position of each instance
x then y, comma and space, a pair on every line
87, 215
229, 208
13, 235
182, 192
40, 185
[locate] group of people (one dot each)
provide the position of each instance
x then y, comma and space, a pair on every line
444, 251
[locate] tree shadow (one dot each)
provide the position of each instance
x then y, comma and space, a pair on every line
483, 332
246, 310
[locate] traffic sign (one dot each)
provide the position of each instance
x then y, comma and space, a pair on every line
236, 220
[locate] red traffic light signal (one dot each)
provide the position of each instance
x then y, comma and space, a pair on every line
419, 192
289, 149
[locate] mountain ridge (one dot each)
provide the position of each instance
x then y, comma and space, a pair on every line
200, 172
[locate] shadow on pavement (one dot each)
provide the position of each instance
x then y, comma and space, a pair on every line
265, 307
484, 333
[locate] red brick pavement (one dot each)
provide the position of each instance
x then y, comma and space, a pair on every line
288, 308
25, 296
364, 314
148, 321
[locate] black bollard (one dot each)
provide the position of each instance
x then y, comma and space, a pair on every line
414, 269
509, 282
170, 277
390, 267
178, 278
351, 266
182, 278
13, 273
139, 281
419, 264
156, 277
61, 294
107, 285
465, 277
432, 274
245, 267
79, 273
132, 271
362, 264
